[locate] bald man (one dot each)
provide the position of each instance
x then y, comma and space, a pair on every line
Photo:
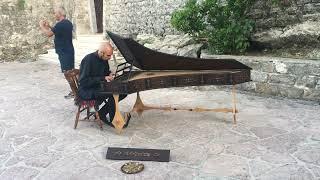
62, 32
95, 68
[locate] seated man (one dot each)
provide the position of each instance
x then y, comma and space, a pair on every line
95, 68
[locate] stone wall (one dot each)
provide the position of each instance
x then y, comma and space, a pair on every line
289, 29
20, 35
293, 24
180, 45
153, 16
128, 17
288, 12
292, 78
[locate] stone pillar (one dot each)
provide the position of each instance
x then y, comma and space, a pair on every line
92, 16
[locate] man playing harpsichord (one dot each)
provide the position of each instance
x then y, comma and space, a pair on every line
95, 68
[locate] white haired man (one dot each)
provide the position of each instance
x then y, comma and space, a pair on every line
95, 68
62, 32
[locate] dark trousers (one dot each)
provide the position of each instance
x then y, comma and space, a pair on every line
66, 60
109, 107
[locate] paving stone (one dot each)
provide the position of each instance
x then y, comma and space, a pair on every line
203, 145
149, 134
144, 143
2, 129
66, 142
278, 158
156, 170
309, 155
205, 176
283, 143
35, 148
265, 132
315, 170
21, 141
287, 172
4, 158
13, 161
214, 148
96, 173
176, 171
69, 166
19, 173
5, 147
8, 120
42, 161
285, 122
17, 131
226, 166
190, 155
228, 137
242, 129
248, 150
258, 168
316, 137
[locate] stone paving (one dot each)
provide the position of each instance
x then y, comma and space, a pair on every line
274, 139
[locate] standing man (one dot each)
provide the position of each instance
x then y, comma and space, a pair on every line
95, 68
62, 32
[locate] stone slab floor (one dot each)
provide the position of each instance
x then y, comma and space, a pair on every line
274, 138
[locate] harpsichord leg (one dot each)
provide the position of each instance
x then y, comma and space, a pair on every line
234, 109
118, 120
138, 105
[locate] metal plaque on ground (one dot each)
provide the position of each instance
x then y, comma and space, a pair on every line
115, 153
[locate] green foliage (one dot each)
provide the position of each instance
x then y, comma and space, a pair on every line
225, 25
274, 1
190, 19
20, 4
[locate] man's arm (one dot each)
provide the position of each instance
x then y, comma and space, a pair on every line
46, 28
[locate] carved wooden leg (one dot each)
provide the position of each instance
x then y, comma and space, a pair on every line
98, 117
138, 105
77, 117
118, 121
234, 109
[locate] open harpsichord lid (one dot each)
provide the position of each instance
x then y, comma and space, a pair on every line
148, 59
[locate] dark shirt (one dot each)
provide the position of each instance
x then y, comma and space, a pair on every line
92, 71
63, 36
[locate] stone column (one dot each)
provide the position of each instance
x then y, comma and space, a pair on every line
92, 15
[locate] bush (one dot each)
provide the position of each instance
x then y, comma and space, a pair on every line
20, 4
225, 25
189, 19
